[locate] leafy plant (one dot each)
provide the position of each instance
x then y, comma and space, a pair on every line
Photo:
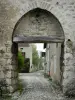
20, 61
26, 67
20, 86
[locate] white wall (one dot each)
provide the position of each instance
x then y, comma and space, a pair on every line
53, 52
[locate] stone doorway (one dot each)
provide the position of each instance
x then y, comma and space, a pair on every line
12, 20
36, 26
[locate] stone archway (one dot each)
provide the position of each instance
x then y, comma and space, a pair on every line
10, 16
38, 25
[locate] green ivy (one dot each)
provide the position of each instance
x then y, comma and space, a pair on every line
20, 61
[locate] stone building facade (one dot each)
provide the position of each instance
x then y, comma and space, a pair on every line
60, 18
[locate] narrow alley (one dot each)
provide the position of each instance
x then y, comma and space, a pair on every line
37, 87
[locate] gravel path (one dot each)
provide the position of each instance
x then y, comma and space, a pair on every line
36, 87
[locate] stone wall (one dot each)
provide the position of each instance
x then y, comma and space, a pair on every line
8, 66
64, 10
14, 10
39, 22
69, 69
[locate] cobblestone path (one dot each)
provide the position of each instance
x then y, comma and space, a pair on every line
36, 87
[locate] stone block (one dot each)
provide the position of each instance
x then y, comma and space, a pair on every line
14, 62
70, 68
68, 74
11, 88
8, 43
69, 88
68, 50
2, 75
68, 56
2, 50
8, 49
11, 61
1, 68
8, 74
11, 74
11, 67
68, 62
9, 81
2, 62
8, 55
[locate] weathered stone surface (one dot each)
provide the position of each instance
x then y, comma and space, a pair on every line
11, 74
39, 23
8, 55
2, 50
69, 71
12, 10
11, 62
2, 62
11, 81
8, 49
11, 67
68, 56
69, 88
2, 75
11, 88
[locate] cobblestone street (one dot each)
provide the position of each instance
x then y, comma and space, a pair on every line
36, 87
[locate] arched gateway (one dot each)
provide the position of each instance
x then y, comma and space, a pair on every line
38, 22
37, 25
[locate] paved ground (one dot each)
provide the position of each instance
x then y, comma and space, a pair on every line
36, 87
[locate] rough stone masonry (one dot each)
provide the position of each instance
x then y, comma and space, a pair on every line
10, 13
